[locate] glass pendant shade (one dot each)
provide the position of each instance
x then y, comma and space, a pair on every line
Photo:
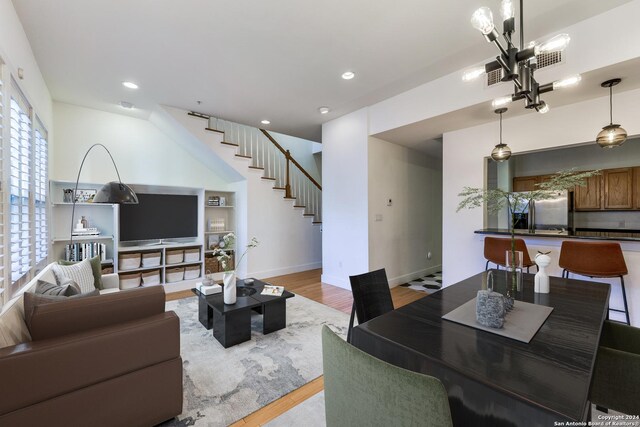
501, 152
611, 136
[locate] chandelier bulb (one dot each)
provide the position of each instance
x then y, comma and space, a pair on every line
503, 100
554, 44
543, 108
569, 81
507, 10
482, 20
472, 74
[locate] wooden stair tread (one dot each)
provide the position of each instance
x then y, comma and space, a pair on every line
299, 206
256, 167
268, 177
279, 188
214, 130
229, 143
308, 214
243, 156
316, 222
289, 198
198, 115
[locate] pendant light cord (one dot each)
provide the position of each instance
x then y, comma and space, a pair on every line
611, 104
500, 128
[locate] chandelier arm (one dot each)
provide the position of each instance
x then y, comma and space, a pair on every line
521, 24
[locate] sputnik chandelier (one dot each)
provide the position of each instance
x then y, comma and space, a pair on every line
517, 64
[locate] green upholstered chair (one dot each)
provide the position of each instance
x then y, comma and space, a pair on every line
616, 376
361, 390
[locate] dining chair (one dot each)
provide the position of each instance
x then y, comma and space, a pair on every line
371, 297
595, 259
616, 374
495, 249
361, 390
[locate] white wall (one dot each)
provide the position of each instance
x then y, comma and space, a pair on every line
345, 228
143, 154
289, 242
400, 235
464, 153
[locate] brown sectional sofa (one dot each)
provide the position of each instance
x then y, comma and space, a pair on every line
108, 360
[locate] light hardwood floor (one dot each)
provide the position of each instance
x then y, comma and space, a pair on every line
308, 285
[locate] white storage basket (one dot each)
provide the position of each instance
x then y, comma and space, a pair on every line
129, 261
192, 272
192, 255
151, 278
175, 256
151, 259
174, 274
129, 281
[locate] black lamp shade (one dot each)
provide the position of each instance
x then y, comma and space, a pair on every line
116, 192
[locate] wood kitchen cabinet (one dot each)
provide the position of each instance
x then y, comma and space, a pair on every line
618, 188
525, 183
589, 197
636, 188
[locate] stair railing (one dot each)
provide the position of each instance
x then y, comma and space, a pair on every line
278, 163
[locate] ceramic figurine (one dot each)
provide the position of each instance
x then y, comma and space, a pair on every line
541, 280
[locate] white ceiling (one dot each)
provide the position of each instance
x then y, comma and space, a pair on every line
250, 60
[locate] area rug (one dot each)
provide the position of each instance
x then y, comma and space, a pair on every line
427, 284
222, 385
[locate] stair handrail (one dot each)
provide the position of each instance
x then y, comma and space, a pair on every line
290, 157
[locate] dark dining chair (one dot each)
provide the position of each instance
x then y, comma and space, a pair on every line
616, 374
362, 390
595, 259
495, 249
371, 297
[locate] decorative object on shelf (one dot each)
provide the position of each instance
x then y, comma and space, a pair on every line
501, 152
223, 201
516, 202
212, 241
517, 64
213, 201
67, 195
490, 306
112, 192
215, 224
541, 279
612, 135
84, 222
85, 196
225, 259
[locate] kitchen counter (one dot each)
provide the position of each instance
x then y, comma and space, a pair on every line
580, 233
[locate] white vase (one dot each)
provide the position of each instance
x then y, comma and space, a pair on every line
229, 282
541, 279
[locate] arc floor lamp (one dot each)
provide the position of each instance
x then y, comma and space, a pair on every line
114, 192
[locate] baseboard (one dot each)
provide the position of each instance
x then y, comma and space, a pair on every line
284, 270
405, 278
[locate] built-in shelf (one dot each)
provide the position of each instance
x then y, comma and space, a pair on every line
83, 238
81, 204
219, 232
183, 264
219, 207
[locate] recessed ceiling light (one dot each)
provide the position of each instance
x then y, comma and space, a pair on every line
127, 105
130, 85
324, 110
348, 75
265, 122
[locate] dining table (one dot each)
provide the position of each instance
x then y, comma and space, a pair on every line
493, 380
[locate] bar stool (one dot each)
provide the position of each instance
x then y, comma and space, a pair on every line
495, 249
595, 259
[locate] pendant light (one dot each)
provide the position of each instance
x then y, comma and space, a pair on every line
611, 135
501, 152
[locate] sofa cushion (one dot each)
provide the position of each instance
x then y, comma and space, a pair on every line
33, 300
96, 269
81, 273
66, 289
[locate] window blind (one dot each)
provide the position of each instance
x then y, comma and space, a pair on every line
2, 183
19, 186
40, 160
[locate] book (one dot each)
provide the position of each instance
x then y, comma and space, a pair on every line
271, 290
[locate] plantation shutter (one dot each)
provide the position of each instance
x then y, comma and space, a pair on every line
2, 182
19, 185
40, 162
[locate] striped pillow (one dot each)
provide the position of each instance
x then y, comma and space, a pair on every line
81, 273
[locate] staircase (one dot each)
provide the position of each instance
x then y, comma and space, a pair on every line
277, 164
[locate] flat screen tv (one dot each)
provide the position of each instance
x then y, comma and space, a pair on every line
159, 216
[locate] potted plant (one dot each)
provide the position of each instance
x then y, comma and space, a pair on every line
224, 258
517, 202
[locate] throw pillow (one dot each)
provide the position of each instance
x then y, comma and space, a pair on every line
67, 288
81, 273
96, 268
31, 301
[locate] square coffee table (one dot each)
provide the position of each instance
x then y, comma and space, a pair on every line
231, 324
